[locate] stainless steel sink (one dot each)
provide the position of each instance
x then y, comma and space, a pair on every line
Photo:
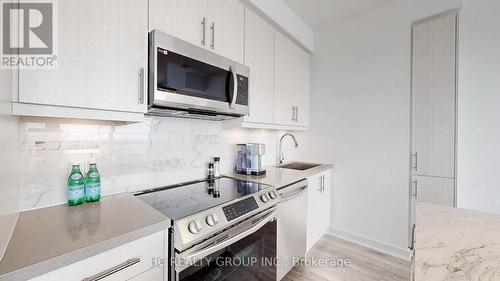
299, 166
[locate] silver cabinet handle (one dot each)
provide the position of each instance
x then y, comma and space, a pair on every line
212, 28
203, 30
141, 86
323, 183
113, 270
415, 189
412, 237
319, 184
297, 114
293, 113
410, 215
415, 167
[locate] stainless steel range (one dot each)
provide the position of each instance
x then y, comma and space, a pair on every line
223, 229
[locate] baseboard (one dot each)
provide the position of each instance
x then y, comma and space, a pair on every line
382, 247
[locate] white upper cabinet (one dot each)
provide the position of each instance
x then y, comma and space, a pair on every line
102, 61
217, 25
434, 97
291, 83
184, 19
226, 26
259, 56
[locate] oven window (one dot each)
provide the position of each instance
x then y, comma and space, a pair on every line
190, 77
251, 258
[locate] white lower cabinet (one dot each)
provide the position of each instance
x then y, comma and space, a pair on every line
434, 190
318, 206
130, 261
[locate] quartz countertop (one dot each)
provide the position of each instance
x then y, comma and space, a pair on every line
279, 177
456, 244
50, 238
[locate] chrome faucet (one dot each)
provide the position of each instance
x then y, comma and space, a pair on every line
281, 155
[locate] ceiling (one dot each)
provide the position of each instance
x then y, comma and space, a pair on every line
317, 12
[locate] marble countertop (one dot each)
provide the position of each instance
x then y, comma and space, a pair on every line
280, 177
50, 238
456, 244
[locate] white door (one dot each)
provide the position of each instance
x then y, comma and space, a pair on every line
102, 49
184, 19
259, 56
318, 207
226, 21
440, 191
434, 70
291, 83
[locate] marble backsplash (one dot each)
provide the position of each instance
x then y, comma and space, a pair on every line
130, 156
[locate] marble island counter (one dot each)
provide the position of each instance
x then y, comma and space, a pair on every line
456, 244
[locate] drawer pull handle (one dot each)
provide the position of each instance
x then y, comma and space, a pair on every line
113, 270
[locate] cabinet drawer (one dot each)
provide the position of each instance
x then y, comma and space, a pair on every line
121, 263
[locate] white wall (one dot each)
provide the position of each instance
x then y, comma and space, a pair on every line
130, 157
9, 155
361, 120
478, 186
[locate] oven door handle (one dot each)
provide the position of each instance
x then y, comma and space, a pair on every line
235, 89
204, 252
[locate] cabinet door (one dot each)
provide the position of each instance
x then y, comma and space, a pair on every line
134, 258
291, 82
259, 56
318, 207
184, 19
226, 20
440, 191
102, 49
434, 63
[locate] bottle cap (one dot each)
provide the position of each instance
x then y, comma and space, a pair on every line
75, 164
210, 165
217, 159
92, 161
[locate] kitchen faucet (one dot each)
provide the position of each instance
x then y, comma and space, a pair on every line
281, 155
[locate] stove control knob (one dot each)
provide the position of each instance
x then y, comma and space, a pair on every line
212, 219
194, 226
264, 198
273, 195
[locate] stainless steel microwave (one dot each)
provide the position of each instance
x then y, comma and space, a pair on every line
191, 82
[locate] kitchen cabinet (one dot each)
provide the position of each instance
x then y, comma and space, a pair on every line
259, 56
227, 28
127, 261
291, 82
102, 59
434, 109
184, 19
434, 98
319, 196
217, 25
434, 190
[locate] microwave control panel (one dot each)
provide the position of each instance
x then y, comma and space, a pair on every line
242, 98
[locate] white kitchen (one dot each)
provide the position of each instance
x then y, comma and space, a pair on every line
247, 140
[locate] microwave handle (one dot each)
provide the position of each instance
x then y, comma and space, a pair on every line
235, 90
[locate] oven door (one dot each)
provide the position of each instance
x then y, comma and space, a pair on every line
245, 252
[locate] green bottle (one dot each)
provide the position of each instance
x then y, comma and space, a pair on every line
93, 184
76, 186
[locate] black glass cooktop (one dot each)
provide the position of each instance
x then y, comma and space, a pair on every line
177, 202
